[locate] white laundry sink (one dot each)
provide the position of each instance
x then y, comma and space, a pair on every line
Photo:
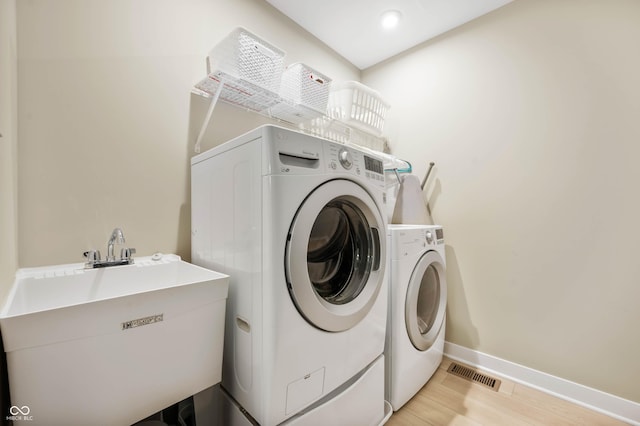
111, 345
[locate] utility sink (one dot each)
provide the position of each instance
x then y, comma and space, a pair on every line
111, 345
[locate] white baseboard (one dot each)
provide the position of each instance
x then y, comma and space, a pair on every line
611, 405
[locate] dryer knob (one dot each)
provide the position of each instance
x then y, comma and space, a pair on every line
429, 237
346, 160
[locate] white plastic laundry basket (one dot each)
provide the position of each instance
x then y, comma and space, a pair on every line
358, 106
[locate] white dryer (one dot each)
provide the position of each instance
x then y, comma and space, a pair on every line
297, 223
417, 309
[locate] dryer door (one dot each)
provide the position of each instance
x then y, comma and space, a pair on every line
426, 301
334, 255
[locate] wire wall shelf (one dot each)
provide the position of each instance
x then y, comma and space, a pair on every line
247, 72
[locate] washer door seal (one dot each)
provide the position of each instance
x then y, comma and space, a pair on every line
334, 255
426, 302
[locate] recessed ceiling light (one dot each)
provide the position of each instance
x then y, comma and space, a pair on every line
390, 19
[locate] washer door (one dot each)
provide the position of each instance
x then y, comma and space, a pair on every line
426, 301
333, 258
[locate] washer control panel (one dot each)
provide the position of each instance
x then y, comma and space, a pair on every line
293, 153
344, 158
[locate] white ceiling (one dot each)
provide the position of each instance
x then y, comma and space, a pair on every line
352, 27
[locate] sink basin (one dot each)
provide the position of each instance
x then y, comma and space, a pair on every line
112, 345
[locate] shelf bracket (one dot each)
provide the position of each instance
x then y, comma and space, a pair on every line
207, 118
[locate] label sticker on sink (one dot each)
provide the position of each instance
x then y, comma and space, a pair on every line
142, 321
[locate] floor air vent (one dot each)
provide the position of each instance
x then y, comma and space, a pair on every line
473, 376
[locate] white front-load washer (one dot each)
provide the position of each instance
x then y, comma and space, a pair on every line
297, 223
417, 309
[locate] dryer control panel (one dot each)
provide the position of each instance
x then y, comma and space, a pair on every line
434, 236
410, 240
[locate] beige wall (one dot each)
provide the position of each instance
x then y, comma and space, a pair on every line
532, 116
8, 145
107, 121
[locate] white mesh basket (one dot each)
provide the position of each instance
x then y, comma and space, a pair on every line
304, 94
305, 86
358, 106
245, 56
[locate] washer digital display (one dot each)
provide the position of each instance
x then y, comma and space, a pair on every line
373, 165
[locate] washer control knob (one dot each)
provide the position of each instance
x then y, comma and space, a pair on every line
429, 237
346, 160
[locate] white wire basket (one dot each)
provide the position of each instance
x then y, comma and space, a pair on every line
245, 56
304, 92
245, 71
357, 105
305, 86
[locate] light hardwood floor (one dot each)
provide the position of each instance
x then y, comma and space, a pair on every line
450, 400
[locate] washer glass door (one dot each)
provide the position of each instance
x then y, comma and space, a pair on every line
426, 302
334, 255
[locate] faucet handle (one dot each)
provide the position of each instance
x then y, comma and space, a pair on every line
126, 252
92, 256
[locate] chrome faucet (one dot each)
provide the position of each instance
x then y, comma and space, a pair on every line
117, 237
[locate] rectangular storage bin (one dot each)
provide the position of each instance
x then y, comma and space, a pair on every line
305, 86
245, 56
304, 94
357, 105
